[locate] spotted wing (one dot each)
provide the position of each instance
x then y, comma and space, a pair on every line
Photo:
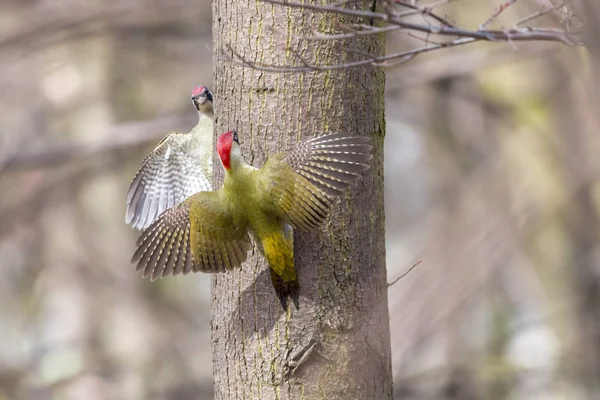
197, 235
168, 175
302, 183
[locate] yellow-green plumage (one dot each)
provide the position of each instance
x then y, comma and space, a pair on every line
209, 231
248, 193
278, 249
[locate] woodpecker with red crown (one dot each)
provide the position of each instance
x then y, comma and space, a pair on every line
209, 231
178, 167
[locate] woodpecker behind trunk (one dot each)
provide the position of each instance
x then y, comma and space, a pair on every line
209, 231
178, 167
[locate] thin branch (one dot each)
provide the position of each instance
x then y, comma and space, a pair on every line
365, 31
405, 273
378, 61
543, 11
426, 10
425, 39
344, 2
394, 21
499, 10
440, 3
509, 35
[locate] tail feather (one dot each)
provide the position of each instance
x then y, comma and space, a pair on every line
285, 289
277, 246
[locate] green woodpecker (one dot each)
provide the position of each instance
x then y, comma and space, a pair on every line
178, 167
209, 231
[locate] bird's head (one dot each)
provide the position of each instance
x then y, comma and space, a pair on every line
228, 147
203, 100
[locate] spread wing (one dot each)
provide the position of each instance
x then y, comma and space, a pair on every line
196, 235
168, 175
302, 182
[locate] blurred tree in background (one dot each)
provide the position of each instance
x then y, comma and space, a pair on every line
491, 178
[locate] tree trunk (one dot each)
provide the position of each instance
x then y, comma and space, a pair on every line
583, 217
337, 346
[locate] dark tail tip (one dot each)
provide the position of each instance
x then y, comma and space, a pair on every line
285, 289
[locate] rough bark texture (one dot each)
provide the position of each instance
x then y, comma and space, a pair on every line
583, 227
337, 346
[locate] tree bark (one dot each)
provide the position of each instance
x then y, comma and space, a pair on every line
583, 217
337, 345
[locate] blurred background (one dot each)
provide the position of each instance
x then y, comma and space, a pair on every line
491, 180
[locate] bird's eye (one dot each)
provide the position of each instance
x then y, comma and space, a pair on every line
235, 138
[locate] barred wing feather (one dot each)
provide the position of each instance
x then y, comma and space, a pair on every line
195, 236
167, 177
303, 181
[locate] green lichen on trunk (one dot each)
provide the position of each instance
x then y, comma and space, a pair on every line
337, 345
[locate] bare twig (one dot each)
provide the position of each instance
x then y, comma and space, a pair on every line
496, 13
541, 12
405, 273
425, 10
378, 61
364, 31
344, 2
393, 21
509, 35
